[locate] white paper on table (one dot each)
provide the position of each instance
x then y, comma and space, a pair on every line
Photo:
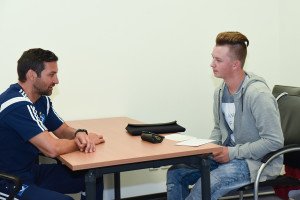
194, 142
178, 137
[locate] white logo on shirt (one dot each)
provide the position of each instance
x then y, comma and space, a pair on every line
229, 112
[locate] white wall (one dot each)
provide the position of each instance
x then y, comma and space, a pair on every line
148, 60
289, 43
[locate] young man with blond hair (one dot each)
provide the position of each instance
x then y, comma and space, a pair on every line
246, 124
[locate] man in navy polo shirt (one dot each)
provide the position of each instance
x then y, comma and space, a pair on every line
26, 119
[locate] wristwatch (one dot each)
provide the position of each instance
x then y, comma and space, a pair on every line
80, 130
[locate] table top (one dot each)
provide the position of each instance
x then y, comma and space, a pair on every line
122, 148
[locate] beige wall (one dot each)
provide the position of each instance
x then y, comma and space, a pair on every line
144, 59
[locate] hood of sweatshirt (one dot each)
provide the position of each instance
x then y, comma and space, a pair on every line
250, 79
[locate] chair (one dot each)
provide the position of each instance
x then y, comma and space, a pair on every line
9, 186
288, 99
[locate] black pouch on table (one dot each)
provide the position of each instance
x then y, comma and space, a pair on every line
169, 127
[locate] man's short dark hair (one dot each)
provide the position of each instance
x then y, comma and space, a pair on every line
34, 59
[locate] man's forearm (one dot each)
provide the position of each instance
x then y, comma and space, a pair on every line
65, 132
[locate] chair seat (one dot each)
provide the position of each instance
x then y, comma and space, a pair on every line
282, 181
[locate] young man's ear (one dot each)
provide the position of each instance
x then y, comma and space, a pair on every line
237, 64
31, 75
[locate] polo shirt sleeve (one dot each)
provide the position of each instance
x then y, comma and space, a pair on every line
53, 120
25, 121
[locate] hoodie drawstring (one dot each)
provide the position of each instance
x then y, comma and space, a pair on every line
242, 97
219, 104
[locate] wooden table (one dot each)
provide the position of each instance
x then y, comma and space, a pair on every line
123, 152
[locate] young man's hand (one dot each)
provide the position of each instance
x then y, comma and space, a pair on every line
222, 156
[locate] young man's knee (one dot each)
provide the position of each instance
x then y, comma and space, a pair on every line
172, 176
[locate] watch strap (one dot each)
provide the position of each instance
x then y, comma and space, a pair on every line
80, 130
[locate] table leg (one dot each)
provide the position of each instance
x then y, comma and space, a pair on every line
117, 180
205, 179
90, 185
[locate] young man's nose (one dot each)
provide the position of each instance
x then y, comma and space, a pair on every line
212, 64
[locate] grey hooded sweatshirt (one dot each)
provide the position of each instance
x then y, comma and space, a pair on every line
257, 127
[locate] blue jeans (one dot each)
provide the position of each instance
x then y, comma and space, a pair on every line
224, 178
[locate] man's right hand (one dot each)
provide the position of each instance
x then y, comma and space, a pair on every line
221, 156
87, 143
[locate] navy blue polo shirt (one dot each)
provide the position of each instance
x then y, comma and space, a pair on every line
21, 120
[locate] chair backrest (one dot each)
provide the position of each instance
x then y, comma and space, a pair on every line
293, 91
289, 108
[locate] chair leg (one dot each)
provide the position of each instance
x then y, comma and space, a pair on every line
241, 195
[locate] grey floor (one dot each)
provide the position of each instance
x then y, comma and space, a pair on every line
266, 194
268, 197
265, 197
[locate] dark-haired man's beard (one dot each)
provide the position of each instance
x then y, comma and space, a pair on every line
47, 91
